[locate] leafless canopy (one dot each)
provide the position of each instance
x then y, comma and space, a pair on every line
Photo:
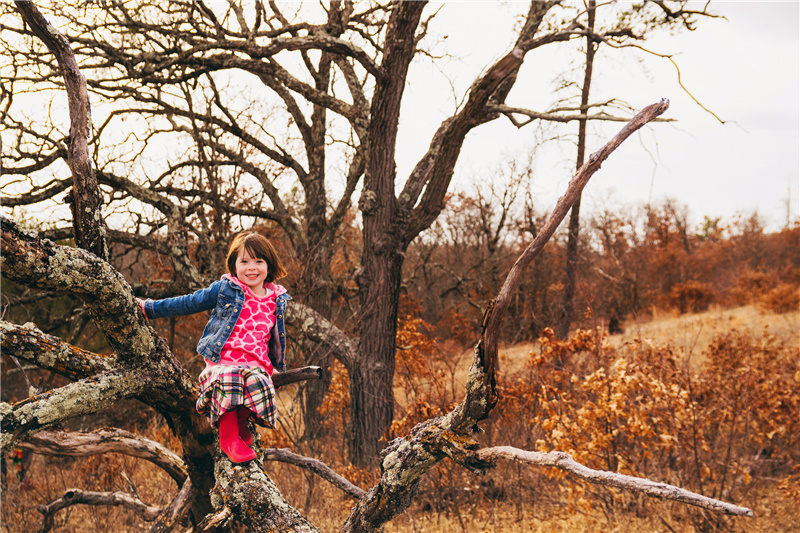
193, 44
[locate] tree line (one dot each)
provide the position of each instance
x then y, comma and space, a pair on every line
632, 260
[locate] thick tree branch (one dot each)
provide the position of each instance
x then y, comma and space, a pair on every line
75, 399
322, 332
254, 499
434, 171
41, 264
77, 496
86, 202
75, 444
30, 344
295, 375
564, 461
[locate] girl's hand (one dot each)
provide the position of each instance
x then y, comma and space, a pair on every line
141, 306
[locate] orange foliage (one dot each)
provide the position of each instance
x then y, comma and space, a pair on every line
638, 411
782, 299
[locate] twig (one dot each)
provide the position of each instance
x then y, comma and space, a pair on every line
318, 467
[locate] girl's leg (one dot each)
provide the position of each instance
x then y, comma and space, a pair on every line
230, 441
244, 431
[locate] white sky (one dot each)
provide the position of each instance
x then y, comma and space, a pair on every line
744, 69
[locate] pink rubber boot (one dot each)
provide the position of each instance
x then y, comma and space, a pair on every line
230, 441
244, 429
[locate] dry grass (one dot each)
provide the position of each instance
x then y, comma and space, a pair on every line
688, 334
540, 510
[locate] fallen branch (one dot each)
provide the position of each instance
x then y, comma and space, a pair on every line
564, 461
75, 444
318, 467
77, 496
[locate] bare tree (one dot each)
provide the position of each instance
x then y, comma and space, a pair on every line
675, 19
143, 368
180, 75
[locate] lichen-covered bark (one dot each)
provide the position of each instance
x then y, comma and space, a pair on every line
39, 263
30, 344
322, 332
404, 463
88, 396
255, 500
142, 368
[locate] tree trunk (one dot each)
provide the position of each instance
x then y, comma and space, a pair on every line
372, 401
575, 213
371, 394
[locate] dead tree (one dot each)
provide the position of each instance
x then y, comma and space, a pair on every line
212, 490
179, 72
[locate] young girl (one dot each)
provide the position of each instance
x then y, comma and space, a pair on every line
243, 342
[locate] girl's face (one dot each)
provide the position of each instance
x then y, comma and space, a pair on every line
252, 271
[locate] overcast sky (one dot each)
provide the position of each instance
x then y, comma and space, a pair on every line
743, 69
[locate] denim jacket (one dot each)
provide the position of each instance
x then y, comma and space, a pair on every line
226, 298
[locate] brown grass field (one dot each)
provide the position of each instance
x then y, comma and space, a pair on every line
452, 500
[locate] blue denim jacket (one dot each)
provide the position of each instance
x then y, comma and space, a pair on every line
226, 299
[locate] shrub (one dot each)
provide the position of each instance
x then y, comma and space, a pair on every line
690, 296
784, 298
638, 410
749, 286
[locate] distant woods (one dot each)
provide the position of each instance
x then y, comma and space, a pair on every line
632, 261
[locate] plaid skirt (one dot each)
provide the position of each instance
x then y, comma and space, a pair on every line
223, 388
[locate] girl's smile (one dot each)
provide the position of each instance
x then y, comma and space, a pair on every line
252, 271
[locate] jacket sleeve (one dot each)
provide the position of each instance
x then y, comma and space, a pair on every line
275, 351
189, 304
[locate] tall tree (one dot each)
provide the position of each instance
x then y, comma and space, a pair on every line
142, 367
678, 18
574, 214
212, 118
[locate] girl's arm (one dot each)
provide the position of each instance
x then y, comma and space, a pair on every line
189, 304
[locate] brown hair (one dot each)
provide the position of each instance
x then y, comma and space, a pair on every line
258, 247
